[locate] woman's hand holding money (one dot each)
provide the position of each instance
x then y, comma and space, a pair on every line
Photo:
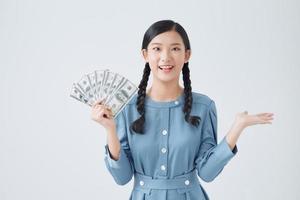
103, 115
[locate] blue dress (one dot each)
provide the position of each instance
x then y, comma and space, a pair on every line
168, 158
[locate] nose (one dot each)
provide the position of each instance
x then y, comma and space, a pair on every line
165, 56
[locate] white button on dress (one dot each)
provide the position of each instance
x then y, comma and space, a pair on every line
176, 102
164, 132
141, 183
163, 150
187, 182
163, 167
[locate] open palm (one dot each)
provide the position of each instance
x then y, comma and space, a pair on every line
249, 120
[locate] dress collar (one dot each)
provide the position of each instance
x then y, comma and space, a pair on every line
165, 104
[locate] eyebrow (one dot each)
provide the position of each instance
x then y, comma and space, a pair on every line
161, 44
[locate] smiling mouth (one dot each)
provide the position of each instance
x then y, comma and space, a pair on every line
166, 67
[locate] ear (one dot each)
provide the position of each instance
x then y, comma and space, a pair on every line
145, 54
187, 56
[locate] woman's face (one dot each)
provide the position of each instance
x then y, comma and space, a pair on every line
166, 56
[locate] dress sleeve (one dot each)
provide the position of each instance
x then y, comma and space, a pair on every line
121, 169
212, 157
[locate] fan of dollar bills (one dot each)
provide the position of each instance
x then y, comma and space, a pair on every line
112, 88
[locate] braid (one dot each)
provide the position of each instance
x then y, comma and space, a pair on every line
138, 125
194, 120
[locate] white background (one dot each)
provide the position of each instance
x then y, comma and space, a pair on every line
245, 56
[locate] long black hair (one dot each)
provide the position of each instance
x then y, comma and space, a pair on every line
155, 29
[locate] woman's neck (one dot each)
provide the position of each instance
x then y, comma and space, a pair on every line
164, 92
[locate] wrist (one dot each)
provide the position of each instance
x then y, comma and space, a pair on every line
110, 130
238, 125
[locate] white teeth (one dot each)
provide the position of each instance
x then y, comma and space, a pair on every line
166, 67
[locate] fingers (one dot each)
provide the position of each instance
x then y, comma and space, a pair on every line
98, 102
102, 107
265, 114
266, 118
110, 115
102, 111
266, 122
261, 118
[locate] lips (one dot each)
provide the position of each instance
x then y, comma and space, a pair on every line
166, 67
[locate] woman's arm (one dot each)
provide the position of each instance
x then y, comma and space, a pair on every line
213, 156
113, 143
118, 159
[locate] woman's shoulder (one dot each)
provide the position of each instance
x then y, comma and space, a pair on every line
200, 98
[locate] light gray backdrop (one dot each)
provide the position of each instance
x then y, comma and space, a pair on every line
245, 56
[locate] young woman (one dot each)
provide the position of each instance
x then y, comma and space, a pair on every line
166, 136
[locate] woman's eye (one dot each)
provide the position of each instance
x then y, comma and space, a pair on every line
157, 48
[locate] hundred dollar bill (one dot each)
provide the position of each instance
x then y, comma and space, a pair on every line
121, 97
101, 74
116, 86
77, 94
92, 77
85, 87
113, 85
109, 79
